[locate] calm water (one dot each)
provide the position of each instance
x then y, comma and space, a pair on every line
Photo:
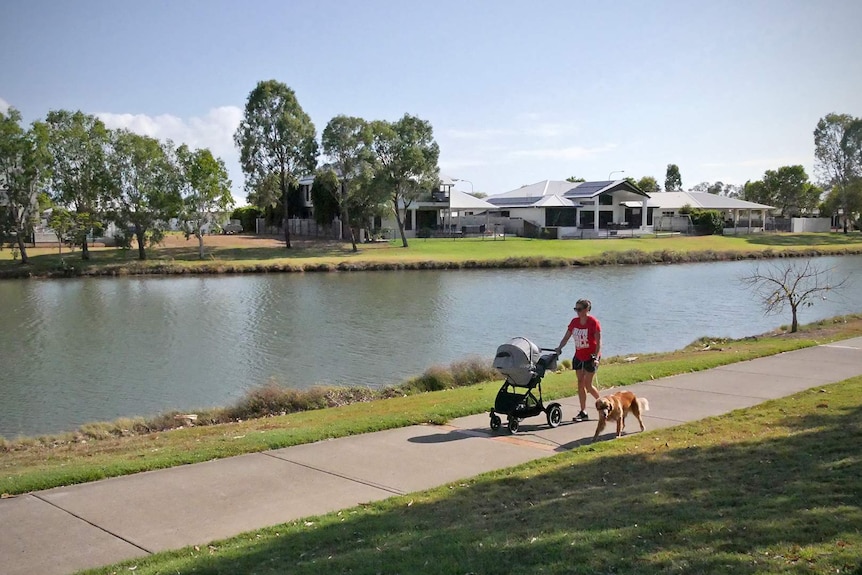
73, 351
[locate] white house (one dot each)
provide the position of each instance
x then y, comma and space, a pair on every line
739, 215
575, 209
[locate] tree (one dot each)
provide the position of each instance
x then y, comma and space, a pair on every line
575, 179
648, 184
794, 284
144, 187
347, 142
24, 164
405, 156
732, 190
838, 155
849, 196
325, 196
756, 192
78, 145
205, 191
62, 223
247, 215
672, 179
788, 189
276, 138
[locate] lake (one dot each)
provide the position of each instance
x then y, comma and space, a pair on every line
95, 349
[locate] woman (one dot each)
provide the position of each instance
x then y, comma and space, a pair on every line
587, 333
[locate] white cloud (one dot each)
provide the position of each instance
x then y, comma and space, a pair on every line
4, 106
214, 131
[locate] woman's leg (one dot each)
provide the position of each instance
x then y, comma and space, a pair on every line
582, 389
587, 386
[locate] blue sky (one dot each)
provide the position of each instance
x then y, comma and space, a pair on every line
516, 91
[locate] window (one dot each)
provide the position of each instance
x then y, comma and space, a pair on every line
606, 200
564, 217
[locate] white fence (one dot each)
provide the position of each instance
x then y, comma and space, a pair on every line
799, 225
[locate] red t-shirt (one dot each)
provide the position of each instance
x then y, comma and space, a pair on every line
585, 336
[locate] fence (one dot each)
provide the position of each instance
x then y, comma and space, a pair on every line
301, 228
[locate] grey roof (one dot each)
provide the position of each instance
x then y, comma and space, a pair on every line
459, 200
703, 200
588, 189
447, 180
532, 195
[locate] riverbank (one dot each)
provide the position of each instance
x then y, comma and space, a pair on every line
40, 463
252, 254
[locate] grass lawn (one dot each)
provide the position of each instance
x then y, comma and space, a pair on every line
41, 463
772, 489
250, 254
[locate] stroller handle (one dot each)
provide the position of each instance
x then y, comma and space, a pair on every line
549, 349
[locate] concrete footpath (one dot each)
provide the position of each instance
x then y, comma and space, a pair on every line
66, 529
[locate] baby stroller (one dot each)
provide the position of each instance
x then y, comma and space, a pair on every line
520, 361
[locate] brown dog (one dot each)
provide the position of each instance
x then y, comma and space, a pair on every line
617, 407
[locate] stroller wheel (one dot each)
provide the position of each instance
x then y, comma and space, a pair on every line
555, 414
495, 422
513, 424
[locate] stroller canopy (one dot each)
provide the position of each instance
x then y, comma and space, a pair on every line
516, 359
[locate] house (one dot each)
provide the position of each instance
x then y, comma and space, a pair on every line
442, 211
574, 209
740, 216
446, 211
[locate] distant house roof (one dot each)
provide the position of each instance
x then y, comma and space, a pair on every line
702, 200
555, 193
459, 200
447, 180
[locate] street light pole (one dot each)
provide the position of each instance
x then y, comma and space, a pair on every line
616, 172
469, 182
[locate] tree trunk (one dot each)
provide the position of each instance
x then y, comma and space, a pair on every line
794, 324
200, 244
142, 252
400, 221
284, 201
23, 249
345, 217
85, 249
345, 222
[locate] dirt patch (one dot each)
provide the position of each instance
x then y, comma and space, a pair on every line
224, 241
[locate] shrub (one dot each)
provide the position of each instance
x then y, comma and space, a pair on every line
247, 216
707, 222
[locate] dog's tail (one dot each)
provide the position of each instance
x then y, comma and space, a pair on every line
643, 404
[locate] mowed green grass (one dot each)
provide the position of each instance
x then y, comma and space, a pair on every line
772, 489
245, 256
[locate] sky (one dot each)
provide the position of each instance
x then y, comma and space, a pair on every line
516, 91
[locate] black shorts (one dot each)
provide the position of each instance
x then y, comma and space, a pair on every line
588, 365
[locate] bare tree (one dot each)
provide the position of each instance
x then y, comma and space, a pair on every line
795, 284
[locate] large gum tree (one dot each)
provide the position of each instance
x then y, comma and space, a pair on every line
205, 190
78, 144
276, 138
405, 162
143, 183
24, 164
838, 154
347, 142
